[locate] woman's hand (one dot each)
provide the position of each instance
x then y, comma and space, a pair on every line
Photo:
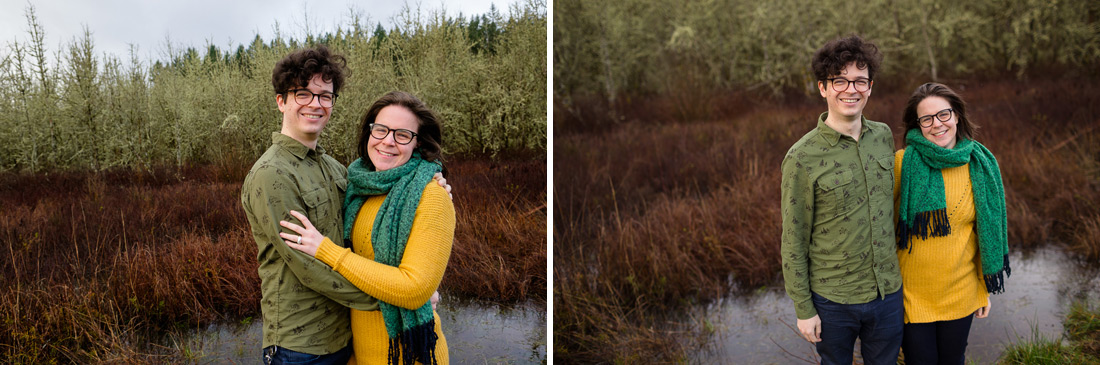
983, 311
443, 182
307, 240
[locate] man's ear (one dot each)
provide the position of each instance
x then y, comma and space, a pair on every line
821, 88
280, 101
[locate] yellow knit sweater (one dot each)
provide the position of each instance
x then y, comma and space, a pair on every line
409, 285
942, 277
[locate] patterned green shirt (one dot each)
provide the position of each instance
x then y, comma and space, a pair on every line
838, 210
304, 301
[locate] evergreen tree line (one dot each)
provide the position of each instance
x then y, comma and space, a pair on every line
612, 49
485, 76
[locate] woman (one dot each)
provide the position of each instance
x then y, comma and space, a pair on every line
401, 227
952, 230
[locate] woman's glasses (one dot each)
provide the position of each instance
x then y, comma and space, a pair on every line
942, 115
401, 136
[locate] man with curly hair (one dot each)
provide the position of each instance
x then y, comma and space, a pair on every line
303, 304
839, 262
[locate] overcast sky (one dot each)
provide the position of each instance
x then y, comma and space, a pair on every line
225, 23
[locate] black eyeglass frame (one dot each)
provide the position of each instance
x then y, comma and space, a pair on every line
921, 119
394, 130
293, 93
855, 85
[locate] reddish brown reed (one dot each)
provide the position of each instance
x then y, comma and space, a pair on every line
194, 280
1085, 237
102, 262
597, 326
500, 239
660, 215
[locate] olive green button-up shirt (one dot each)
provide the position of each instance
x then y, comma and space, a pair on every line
838, 210
305, 303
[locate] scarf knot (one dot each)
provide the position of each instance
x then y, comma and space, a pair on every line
411, 332
922, 210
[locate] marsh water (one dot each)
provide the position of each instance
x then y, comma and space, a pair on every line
759, 328
477, 333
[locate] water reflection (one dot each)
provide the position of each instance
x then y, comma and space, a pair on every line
485, 333
477, 333
760, 328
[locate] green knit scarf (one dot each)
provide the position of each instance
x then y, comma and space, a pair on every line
412, 332
923, 207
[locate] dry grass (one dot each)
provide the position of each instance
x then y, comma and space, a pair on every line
653, 216
102, 262
499, 252
101, 267
652, 213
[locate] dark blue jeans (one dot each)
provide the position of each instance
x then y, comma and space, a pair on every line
878, 324
942, 342
275, 355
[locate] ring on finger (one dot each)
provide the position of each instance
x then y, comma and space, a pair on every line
299, 240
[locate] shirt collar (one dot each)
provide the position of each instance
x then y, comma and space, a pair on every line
831, 135
296, 148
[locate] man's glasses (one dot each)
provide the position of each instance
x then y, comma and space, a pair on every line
304, 97
841, 84
401, 136
942, 115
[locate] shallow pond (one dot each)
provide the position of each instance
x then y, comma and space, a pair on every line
760, 328
477, 333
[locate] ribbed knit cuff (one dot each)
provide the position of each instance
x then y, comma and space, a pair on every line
331, 254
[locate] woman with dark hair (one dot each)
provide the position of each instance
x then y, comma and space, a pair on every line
951, 226
401, 227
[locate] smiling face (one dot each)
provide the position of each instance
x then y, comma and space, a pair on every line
847, 104
305, 122
386, 153
941, 133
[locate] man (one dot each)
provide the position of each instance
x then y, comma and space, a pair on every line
304, 301
839, 262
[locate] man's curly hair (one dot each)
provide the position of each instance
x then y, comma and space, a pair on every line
838, 53
297, 68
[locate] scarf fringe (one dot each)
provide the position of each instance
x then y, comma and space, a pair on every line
995, 282
416, 344
932, 223
903, 236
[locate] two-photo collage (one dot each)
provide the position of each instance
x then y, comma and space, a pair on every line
550, 181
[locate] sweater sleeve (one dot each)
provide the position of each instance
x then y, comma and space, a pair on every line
412, 283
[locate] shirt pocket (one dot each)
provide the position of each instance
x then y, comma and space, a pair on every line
884, 178
887, 165
341, 185
834, 193
317, 205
